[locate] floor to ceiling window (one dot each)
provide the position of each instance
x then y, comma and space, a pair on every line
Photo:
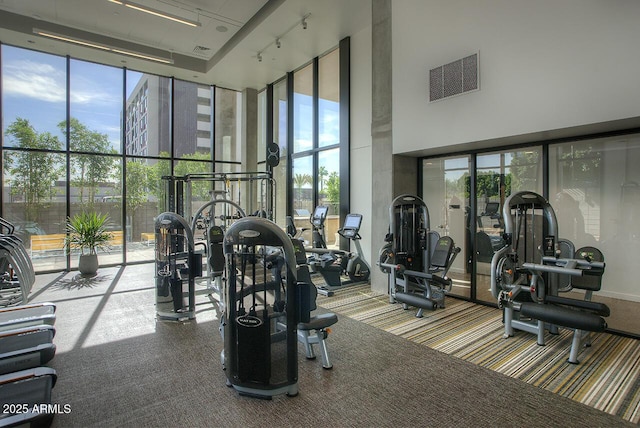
316, 142
124, 131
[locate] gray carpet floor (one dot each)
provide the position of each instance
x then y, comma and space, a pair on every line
117, 366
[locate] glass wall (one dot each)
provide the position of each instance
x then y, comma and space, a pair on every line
119, 125
316, 142
280, 126
445, 184
498, 175
594, 188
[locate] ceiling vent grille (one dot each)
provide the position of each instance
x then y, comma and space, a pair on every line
454, 78
201, 49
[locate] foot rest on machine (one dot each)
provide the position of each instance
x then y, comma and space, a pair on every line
416, 300
564, 317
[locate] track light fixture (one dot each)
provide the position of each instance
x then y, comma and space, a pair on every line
278, 40
157, 12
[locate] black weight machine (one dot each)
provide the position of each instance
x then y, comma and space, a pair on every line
416, 258
535, 266
264, 303
177, 264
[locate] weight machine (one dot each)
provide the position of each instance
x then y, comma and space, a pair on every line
177, 264
17, 275
254, 190
535, 266
416, 258
263, 306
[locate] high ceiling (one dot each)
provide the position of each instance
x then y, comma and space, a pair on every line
222, 50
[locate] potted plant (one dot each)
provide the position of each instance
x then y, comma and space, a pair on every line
87, 232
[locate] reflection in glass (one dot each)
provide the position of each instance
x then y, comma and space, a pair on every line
594, 188
446, 194
228, 129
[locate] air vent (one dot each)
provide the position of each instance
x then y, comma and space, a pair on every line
201, 49
454, 78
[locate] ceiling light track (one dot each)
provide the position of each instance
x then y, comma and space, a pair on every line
278, 40
157, 12
101, 46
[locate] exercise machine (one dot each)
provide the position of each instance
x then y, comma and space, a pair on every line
17, 275
26, 335
340, 268
177, 264
316, 329
261, 296
26, 347
535, 266
25, 397
29, 315
415, 258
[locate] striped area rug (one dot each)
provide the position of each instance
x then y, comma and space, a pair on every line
607, 378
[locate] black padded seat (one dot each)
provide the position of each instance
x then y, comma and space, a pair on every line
318, 322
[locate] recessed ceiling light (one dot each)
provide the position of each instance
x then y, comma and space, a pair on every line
222, 28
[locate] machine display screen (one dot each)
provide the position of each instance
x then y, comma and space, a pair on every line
352, 221
320, 212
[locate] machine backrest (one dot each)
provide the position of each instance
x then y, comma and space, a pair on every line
291, 227
442, 253
484, 247
216, 250
588, 282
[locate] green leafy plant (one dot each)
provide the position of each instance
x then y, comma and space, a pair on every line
87, 232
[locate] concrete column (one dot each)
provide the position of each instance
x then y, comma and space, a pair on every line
392, 175
381, 135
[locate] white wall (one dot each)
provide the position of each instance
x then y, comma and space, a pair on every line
544, 65
361, 134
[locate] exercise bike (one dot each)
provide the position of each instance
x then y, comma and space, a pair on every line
335, 264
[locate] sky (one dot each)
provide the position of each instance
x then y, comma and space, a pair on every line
34, 88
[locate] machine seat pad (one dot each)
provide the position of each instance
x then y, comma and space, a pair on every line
595, 307
318, 322
563, 316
